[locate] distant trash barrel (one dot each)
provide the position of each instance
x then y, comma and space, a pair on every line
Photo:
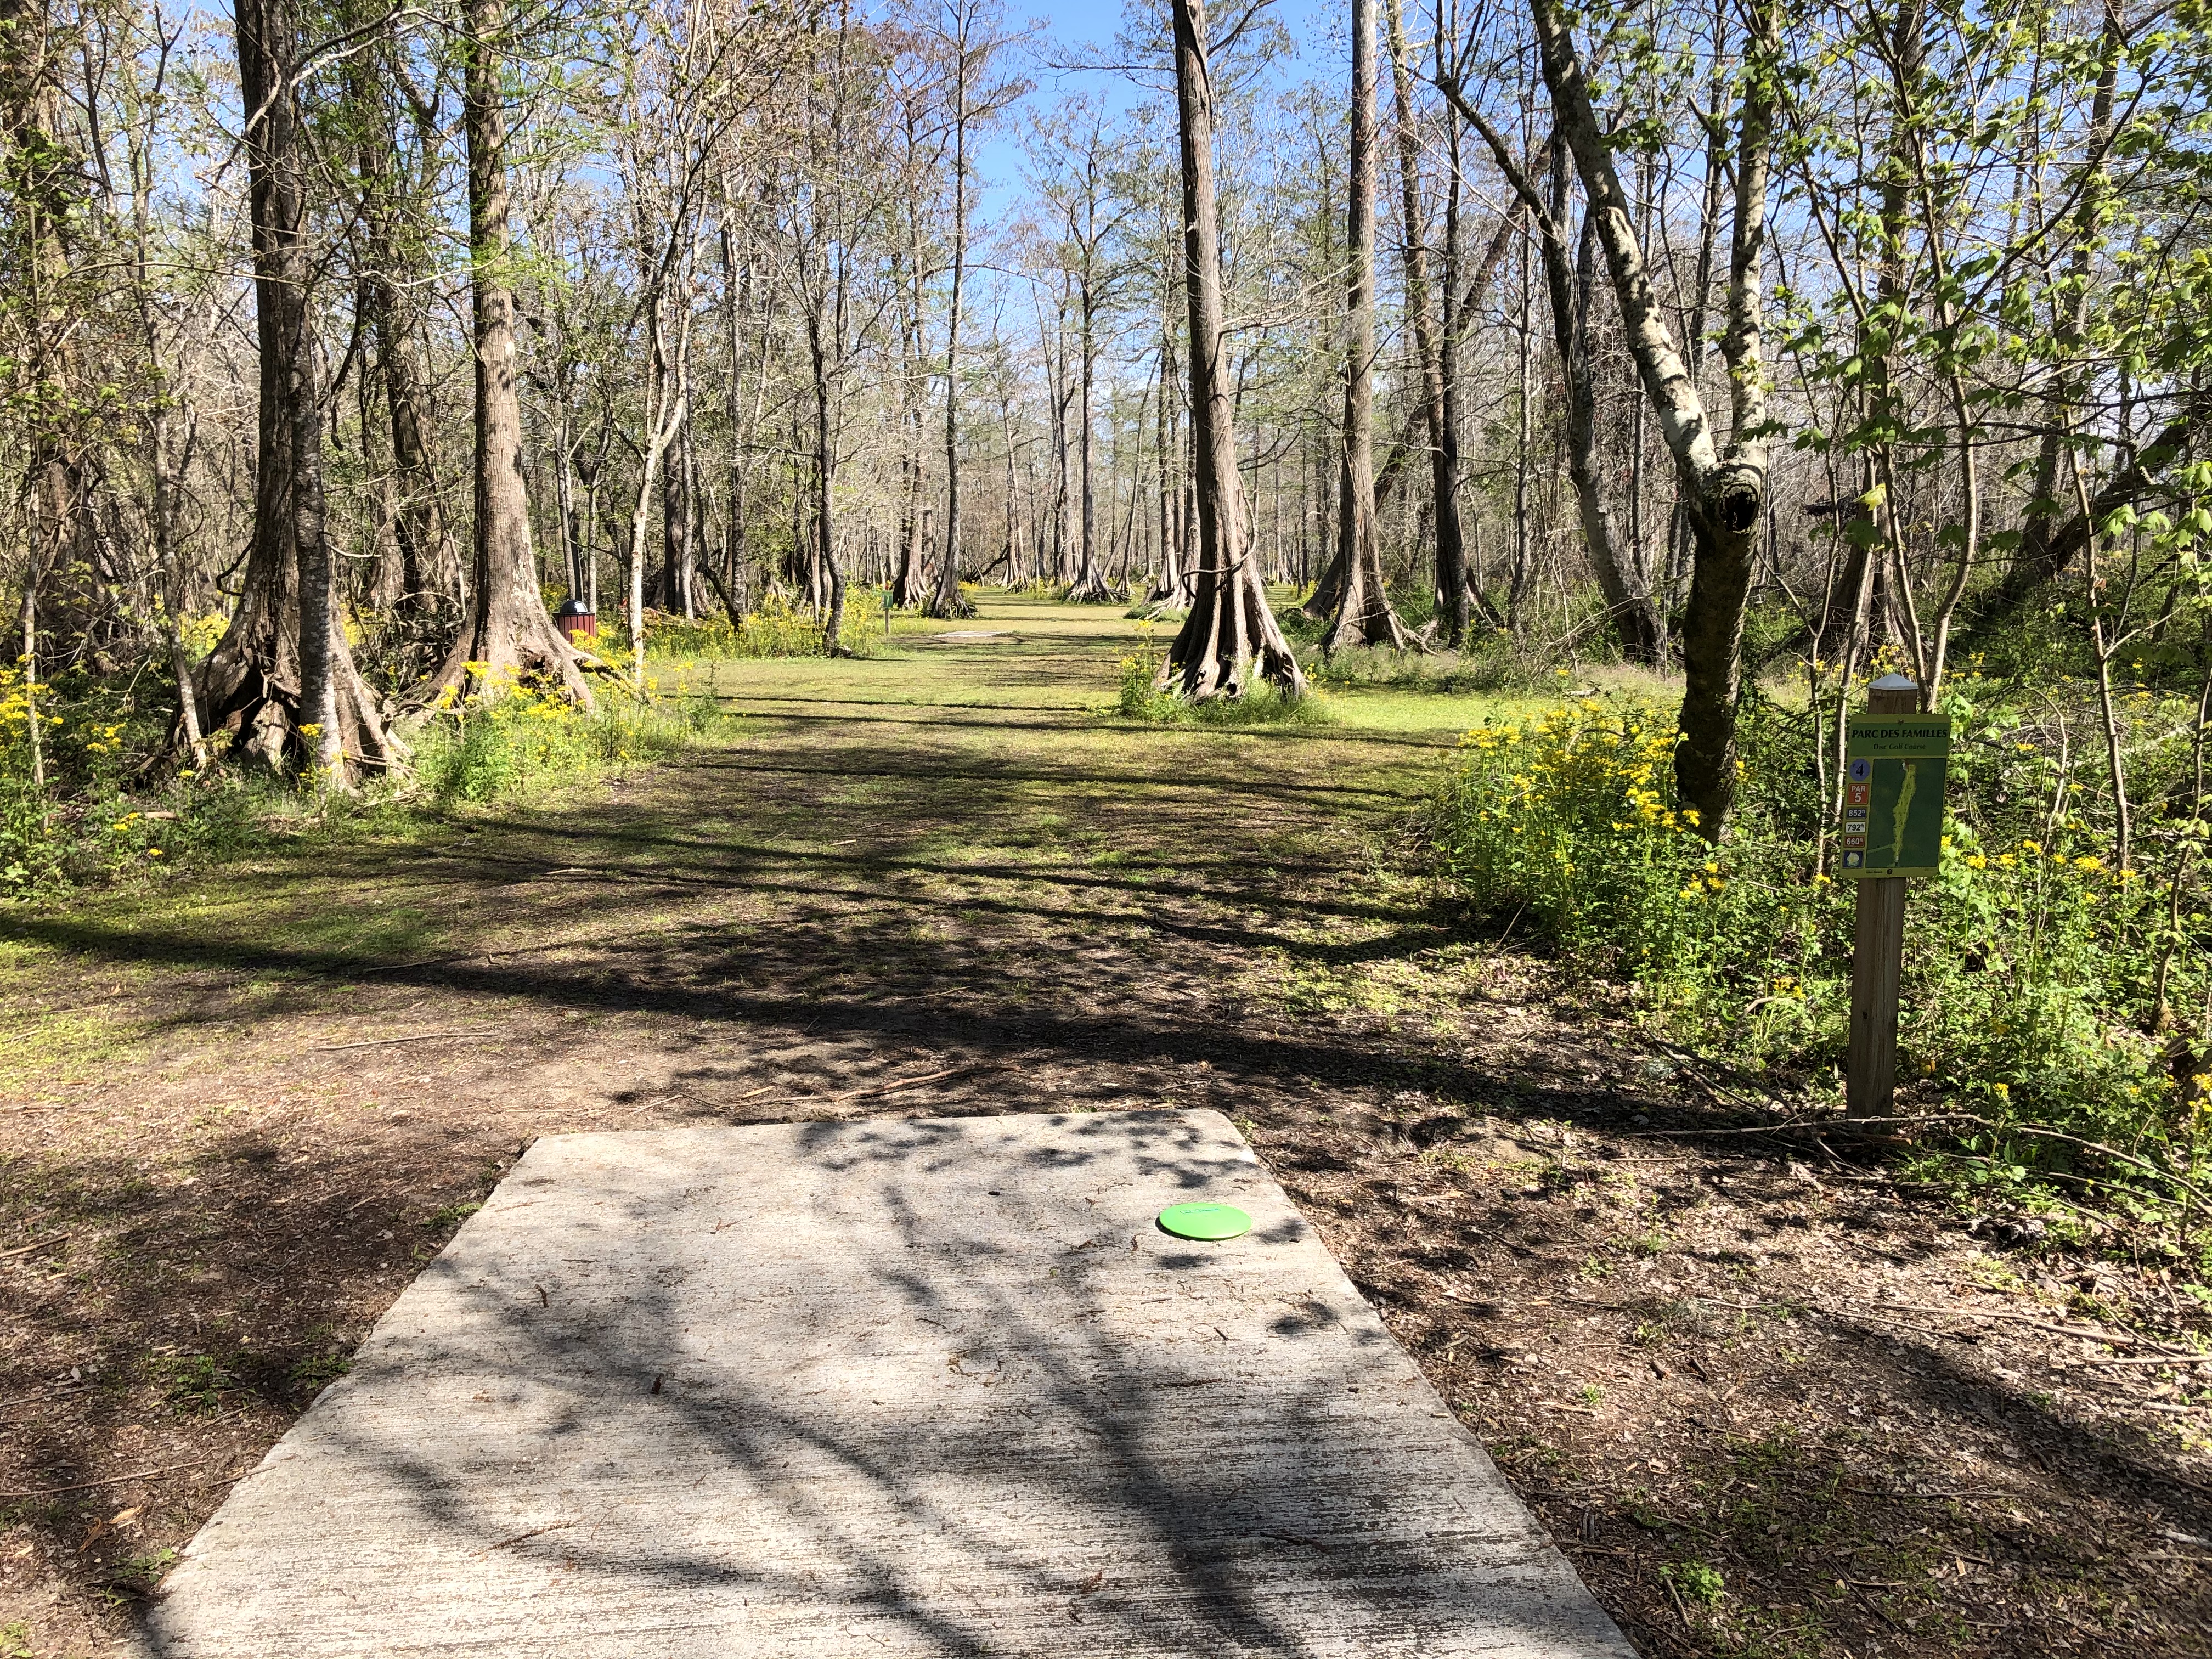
577, 621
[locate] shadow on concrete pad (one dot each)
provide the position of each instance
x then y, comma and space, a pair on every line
920, 1386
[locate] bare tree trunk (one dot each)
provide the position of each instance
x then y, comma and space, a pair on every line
427, 571
507, 636
168, 458
949, 601
1170, 585
1015, 576
694, 527
564, 506
825, 571
1570, 289
1088, 585
1364, 614
169, 474
1230, 633
1723, 490
665, 592
665, 411
2043, 557
1635, 614
427, 564
1516, 586
282, 680
299, 404
43, 187
1429, 350
1328, 473
908, 591
736, 281
1459, 315
1321, 604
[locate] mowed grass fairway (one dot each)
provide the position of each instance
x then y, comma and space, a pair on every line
238, 1110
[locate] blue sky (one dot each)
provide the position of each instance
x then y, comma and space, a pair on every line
1071, 31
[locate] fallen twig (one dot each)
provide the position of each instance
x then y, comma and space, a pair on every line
1876, 1319
2143, 1359
423, 1036
1788, 1123
2037, 1130
2085, 1333
35, 1244
1833, 1311
23, 1400
113, 1480
476, 955
908, 1082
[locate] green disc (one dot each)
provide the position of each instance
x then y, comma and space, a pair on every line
1205, 1220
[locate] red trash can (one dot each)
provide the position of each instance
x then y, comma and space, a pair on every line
576, 621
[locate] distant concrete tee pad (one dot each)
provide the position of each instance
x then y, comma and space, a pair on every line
936, 1387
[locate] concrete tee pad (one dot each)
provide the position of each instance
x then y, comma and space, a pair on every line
930, 1386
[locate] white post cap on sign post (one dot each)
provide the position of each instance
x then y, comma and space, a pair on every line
1894, 683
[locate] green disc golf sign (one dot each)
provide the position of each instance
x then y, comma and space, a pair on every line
1893, 768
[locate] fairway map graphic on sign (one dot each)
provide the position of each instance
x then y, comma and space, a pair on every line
1893, 768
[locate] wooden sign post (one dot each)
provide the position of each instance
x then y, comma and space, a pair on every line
1894, 758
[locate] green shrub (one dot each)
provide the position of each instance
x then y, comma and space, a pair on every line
515, 739
1491, 660
82, 824
192, 1384
1142, 697
2031, 965
30, 855
1570, 821
778, 628
102, 814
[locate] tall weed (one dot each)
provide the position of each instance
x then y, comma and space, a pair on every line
523, 738
81, 823
96, 819
2031, 963
779, 627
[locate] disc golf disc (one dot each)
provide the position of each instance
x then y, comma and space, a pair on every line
1207, 1221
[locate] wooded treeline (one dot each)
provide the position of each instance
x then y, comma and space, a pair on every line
342, 340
